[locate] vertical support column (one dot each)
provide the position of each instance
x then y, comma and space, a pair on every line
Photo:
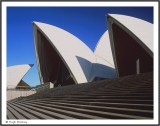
137, 66
62, 73
51, 85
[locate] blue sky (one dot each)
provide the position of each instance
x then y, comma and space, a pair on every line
87, 23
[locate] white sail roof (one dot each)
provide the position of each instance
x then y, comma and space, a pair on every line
77, 56
141, 29
103, 51
72, 50
15, 74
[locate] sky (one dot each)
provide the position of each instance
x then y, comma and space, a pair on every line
86, 23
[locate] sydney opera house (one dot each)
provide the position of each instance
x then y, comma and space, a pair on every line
120, 70
125, 49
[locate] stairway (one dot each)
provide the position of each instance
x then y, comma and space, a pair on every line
129, 97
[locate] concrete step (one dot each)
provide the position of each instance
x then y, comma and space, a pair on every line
10, 115
34, 112
138, 112
16, 114
108, 97
107, 100
49, 113
84, 111
119, 100
101, 104
105, 104
64, 114
129, 97
105, 94
24, 113
116, 91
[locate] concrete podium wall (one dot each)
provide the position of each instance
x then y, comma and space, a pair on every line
12, 94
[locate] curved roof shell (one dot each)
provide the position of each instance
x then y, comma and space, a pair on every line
79, 59
15, 74
104, 66
103, 51
140, 30
132, 44
74, 53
